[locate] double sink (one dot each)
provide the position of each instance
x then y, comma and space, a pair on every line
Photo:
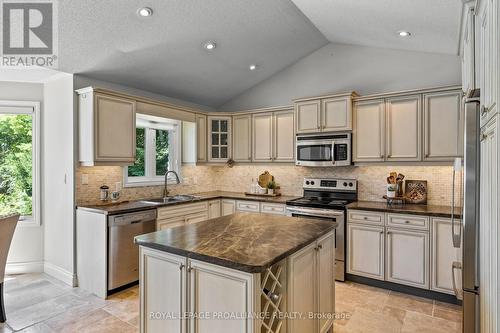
172, 199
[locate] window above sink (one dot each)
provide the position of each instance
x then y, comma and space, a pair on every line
158, 149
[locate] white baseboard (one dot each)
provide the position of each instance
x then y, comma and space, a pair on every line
24, 267
60, 273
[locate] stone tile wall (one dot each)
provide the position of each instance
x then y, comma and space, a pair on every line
372, 180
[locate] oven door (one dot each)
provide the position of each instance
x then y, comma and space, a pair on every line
336, 216
315, 153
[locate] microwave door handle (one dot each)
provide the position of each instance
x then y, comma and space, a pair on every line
333, 153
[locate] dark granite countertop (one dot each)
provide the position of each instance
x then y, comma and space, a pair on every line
429, 210
248, 242
138, 205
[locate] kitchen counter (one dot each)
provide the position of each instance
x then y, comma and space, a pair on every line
428, 210
248, 242
138, 205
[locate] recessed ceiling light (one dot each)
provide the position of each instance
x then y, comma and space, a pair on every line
145, 12
209, 45
252, 67
404, 33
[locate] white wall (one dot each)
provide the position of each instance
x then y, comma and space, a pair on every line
26, 251
81, 81
58, 177
341, 68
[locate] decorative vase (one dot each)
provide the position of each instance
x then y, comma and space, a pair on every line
270, 191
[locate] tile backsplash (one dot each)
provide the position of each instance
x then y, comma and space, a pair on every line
371, 180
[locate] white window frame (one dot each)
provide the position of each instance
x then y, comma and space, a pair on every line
151, 124
32, 108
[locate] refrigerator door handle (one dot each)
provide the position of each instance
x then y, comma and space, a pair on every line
456, 238
455, 266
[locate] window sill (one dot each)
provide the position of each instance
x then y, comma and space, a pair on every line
28, 221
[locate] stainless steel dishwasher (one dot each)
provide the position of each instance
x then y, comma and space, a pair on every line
123, 254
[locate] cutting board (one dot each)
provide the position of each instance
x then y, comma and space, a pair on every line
265, 178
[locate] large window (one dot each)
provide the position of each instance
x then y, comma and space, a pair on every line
157, 151
19, 165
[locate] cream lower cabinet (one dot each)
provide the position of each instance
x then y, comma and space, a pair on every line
214, 209
106, 128
443, 255
192, 286
407, 257
365, 250
214, 289
311, 285
228, 207
173, 216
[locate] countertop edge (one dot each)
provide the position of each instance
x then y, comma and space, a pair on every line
401, 210
103, 211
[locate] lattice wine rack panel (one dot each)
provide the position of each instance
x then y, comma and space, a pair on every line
273, 292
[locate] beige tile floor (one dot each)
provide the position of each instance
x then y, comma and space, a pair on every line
38, 303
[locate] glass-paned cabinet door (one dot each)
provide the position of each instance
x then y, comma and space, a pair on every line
219, 138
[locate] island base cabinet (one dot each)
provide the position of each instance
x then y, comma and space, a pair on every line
163, 291
407, 257
220, 293
311, 286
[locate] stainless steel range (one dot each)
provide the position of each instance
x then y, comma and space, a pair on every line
326, 199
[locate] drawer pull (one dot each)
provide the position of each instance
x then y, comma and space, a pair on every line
407, 221
365, 218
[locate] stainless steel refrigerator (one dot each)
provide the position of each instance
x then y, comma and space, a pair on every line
465, 229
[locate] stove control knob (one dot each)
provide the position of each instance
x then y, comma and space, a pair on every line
307, 182
345, 184
351, 184
312, 182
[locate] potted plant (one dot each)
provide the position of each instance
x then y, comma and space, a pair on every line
271, 186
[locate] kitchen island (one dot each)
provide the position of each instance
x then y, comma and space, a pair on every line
245, 272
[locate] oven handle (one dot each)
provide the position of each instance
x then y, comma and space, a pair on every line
315, 212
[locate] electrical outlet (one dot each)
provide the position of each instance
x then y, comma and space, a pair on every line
85, 179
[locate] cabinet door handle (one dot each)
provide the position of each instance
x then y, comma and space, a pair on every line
455, 265
320, 246
407, 221
484, 110
381, 232
388, 232
181, 267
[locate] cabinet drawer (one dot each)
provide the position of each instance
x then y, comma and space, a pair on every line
170, 223
365, 217
272, 208
247, 206
408, 221
182, 209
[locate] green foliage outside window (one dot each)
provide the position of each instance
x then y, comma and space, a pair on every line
16, 164
139, 168
162, 152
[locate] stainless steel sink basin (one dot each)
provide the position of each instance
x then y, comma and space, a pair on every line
172, 199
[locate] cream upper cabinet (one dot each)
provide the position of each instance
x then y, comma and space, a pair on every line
443, 122
488, 46
308, 115
284, 136
407, 257
467, 50
365, 250
336, 114
242, 138
201, 139
404, 125
369, 131
262, 137
324, 114
106, 128
219, 138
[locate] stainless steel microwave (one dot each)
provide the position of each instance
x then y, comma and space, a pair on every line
323, 150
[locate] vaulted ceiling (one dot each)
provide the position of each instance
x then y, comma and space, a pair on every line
164, 53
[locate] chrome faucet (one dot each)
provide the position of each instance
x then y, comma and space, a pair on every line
177, 180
